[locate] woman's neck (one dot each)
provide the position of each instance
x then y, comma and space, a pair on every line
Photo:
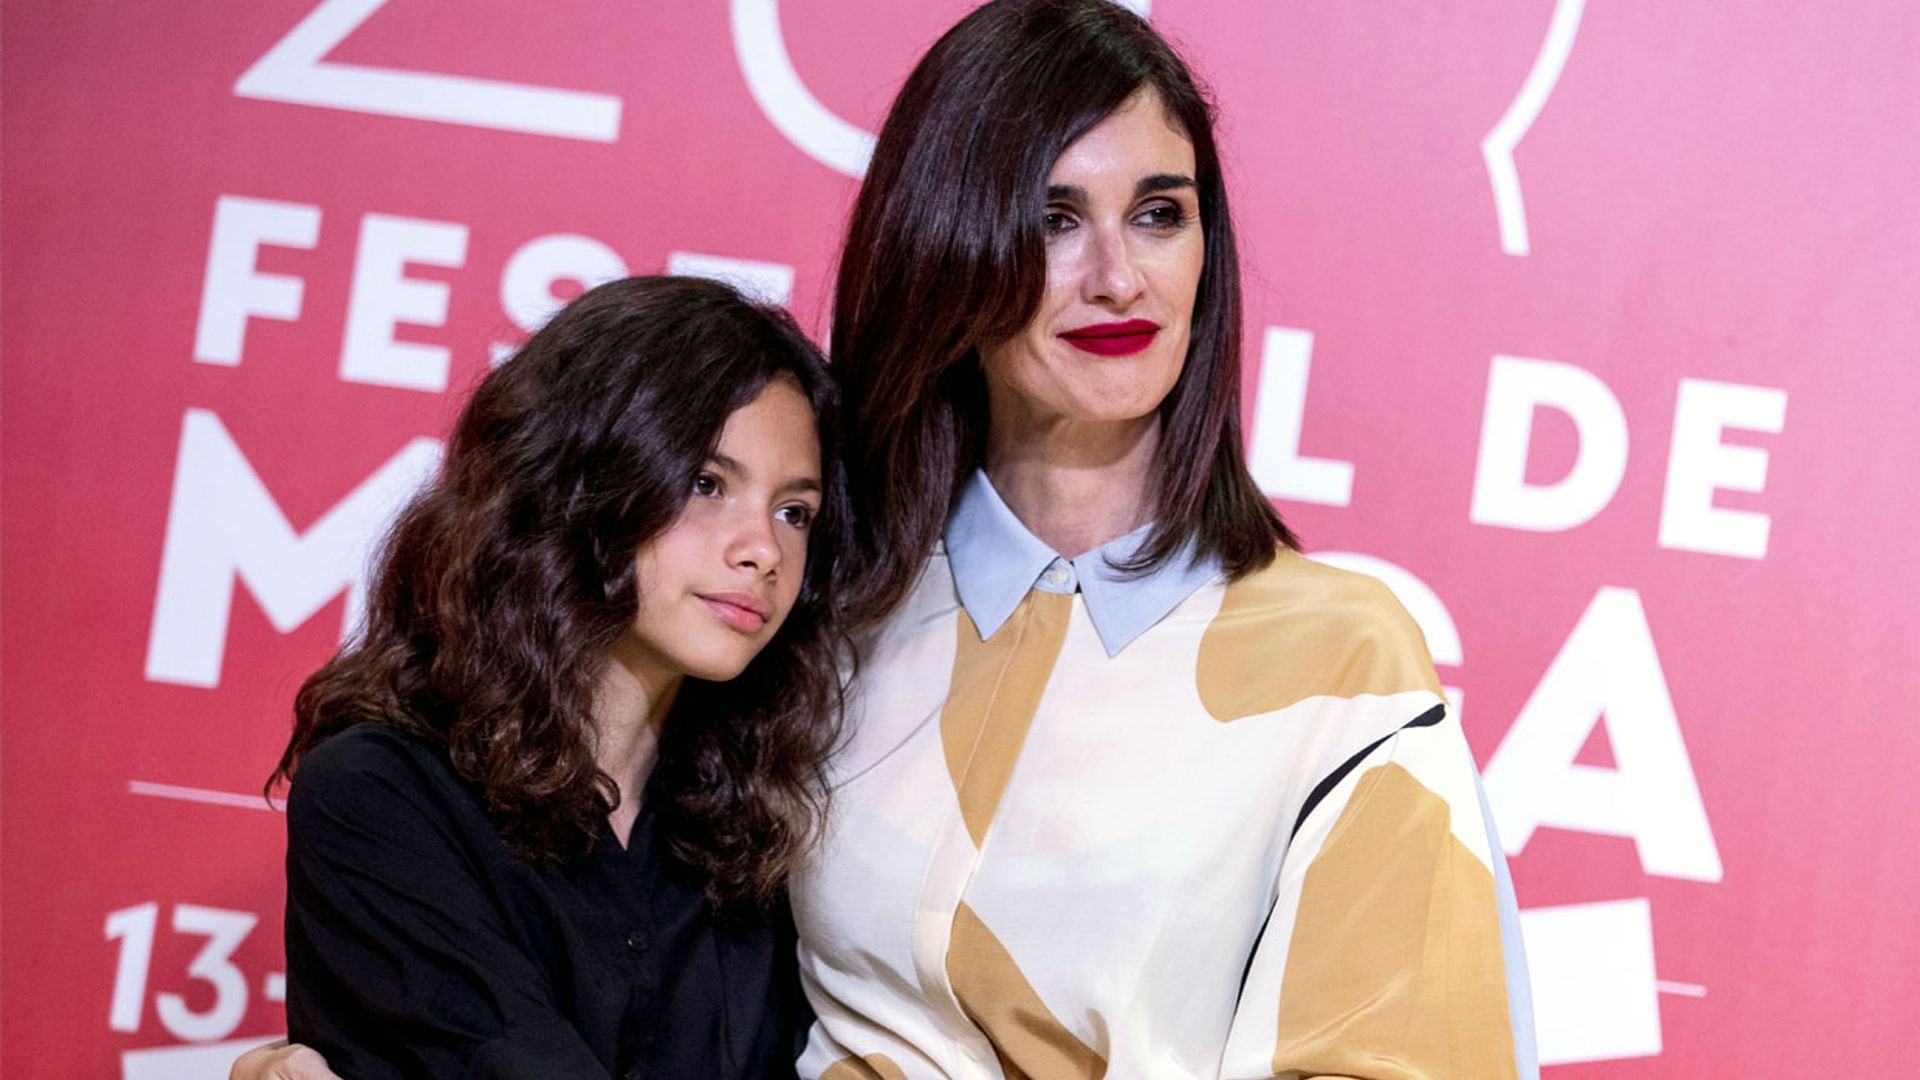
1074, 485
630, 707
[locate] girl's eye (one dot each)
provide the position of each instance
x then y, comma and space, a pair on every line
1058, 221
706, 484
797, 516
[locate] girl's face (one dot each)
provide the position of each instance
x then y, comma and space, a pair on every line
1124, 253
717, 584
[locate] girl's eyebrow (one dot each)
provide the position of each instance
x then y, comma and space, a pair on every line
798, 483
802, 484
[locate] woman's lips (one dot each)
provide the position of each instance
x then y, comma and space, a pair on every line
1113, 339
742, 611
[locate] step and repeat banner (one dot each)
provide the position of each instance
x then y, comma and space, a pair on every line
1590, 327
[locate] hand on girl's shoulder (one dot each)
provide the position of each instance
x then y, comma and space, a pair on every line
280, 1061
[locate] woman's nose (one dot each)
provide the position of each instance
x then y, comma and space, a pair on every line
1112, 276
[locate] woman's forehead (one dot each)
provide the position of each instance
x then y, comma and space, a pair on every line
1138, 138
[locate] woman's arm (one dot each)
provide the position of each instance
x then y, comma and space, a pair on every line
1385, 954
1392, 951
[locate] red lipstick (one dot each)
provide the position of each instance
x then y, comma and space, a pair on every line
1114, 338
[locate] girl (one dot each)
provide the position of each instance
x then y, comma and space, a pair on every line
541, 809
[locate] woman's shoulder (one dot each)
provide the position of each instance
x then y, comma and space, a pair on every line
1294, 586
1300, 629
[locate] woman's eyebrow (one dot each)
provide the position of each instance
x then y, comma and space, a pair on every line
1159, 182
1148, 185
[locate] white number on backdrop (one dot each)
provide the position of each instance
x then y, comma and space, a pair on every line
133, 927
783, 97
224, 930
295, 71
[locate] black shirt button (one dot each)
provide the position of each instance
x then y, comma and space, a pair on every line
636, 941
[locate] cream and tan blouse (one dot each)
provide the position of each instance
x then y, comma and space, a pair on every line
1085, 826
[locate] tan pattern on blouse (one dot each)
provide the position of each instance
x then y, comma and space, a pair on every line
1028, 1040
1395, 945
996, 686
1299, 630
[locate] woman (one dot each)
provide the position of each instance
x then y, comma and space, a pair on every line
1131, 788
542, 807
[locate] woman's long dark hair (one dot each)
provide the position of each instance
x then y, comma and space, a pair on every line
505, 585
945, 253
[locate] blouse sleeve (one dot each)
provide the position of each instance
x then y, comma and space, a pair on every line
1392, 951
399, 962
1392, 946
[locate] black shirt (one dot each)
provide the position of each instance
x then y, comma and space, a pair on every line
420, 945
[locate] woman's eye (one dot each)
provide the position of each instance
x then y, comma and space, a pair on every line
797, 516
706, 484
1163, 216
1058, 221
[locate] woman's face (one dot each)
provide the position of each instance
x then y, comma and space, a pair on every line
1124, 251
717, 584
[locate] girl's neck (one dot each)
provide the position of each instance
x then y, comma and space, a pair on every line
1074, 485
630, 708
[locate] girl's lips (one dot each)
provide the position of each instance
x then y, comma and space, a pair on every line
1113, 339
744, 613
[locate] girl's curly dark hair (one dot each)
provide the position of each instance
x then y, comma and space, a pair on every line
503, 588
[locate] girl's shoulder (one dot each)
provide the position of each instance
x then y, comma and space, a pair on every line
374, 770
369, 749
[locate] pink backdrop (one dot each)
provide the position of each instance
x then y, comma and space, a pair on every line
1589, 327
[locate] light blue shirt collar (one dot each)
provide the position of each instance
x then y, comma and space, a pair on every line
996, 560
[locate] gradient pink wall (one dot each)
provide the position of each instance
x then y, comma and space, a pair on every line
1589, 326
